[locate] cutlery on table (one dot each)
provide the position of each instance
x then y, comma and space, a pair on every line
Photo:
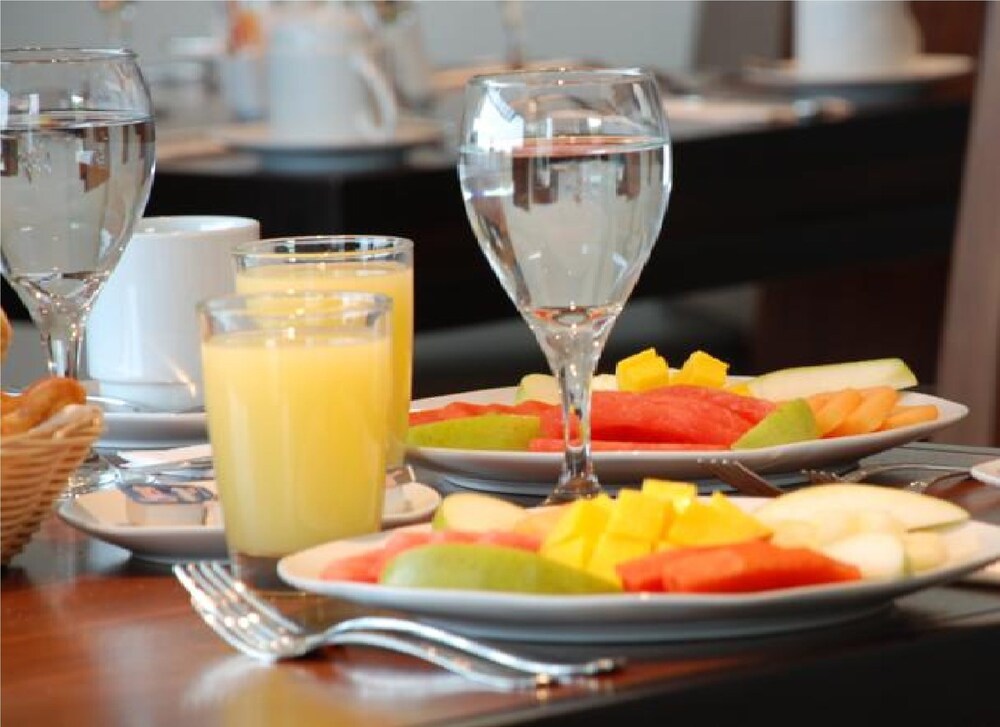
817, 477
190, 463
257, 628
741, 477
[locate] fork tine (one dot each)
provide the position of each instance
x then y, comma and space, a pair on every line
221, 620
234, 606
740, 477
222, 576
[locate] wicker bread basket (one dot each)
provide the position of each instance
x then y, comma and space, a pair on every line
34, 469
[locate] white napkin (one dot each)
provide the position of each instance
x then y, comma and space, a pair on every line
165, 456
396, 501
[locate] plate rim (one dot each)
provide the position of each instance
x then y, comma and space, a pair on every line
982, 471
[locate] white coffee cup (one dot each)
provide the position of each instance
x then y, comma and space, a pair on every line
142, 339
850, 37
323, 83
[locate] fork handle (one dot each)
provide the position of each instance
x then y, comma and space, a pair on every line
558, 671
862, 472
452, 661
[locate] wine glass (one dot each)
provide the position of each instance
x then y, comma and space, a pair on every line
78, 155
566, 176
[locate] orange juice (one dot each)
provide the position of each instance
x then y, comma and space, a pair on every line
298, 431
393, 279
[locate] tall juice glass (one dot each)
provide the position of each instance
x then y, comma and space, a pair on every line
369, 263
296, 392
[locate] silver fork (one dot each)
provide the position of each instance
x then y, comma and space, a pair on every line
257, 628
741, 477
817, 477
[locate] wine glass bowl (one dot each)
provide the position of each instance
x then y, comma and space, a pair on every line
566, 176
77, 165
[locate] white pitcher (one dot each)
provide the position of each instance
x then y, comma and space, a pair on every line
324, 83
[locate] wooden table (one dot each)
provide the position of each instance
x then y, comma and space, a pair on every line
91, 637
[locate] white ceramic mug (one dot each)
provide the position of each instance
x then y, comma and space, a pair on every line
142, 338
323, 83
852, 36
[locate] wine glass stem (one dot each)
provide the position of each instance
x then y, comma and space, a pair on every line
573, 358
61, 335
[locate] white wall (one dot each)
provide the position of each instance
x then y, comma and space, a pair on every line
663, 33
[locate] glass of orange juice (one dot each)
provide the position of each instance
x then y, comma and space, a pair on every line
371, 263
296, 392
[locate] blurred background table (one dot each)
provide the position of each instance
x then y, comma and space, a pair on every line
842, 228
829, 238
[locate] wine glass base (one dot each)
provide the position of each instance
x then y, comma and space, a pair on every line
94, 474
574, 489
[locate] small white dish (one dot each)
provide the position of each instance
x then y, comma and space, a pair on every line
499, 470
152, 430
987, 472
102, 514
639, 617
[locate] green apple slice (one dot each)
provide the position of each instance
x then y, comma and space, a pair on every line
472, 511
488, 568
486, 431
812, 504
793, 383
793, 421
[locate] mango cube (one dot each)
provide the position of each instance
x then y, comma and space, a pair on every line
740, 389
612, 549
583, 518
637, 516
574, 552
702, 369
716, 522
678, 494
642, 371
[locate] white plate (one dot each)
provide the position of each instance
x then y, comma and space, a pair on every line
409, 132
988, 472
134, 430
637, 617
920, 69
542, 468
102, 514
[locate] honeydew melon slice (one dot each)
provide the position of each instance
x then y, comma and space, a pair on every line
879, 556
803, 381
545, 387
810, 504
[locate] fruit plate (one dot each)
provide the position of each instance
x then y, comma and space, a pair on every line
482, 469
639, 617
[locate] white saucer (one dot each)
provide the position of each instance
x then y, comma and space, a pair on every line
988, 472
152, 430
102, 515
919, 69
409, 132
